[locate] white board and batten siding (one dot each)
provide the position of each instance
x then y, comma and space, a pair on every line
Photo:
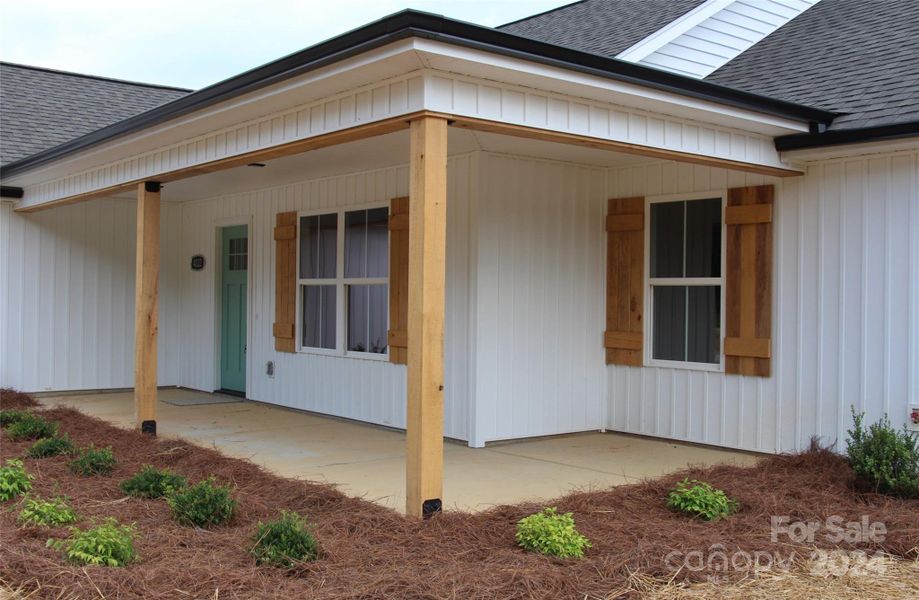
67, 297
525, 303
422, 90
846, 312
518, 105
538, 298
367, 390
713, 34
366, 104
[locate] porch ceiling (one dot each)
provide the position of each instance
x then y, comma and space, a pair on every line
376, 153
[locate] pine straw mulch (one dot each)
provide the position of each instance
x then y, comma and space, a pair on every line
372, 552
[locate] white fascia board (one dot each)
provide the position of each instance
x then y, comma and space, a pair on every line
400, 58
821, 153
673, 30
546, 78
196, 138
394, 60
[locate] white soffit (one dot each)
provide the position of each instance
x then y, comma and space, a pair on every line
711, 35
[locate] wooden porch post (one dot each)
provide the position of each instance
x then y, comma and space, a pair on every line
426, 281
145, 305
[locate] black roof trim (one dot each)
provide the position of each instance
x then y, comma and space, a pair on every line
836, 137
411, 23
96, 77
9, 191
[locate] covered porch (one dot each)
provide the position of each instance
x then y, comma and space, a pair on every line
369, 461
511, 312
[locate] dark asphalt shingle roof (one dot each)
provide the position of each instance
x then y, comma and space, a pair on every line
859, 57
42, 108
605, 27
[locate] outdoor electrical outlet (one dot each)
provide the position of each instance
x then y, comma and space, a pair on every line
269, 368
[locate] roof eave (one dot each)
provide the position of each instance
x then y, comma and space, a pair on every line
801, 141
412, 23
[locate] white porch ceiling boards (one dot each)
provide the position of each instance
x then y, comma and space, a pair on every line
375, 153
478, 85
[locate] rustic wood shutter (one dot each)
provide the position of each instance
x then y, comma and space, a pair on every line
398, 281
748, 281
625, 271
285, 282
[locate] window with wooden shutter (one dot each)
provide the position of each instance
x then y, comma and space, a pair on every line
748, 281
624, 281
398, 281
685, 281
285, 281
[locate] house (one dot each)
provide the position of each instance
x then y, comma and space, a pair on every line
695, 220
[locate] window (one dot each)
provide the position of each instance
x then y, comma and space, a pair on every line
344, 281
685, 281
239, 254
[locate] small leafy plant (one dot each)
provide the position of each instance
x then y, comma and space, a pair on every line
46, 513
204, 504
31, 427
14, 480
8, 417
884, 458
284, 541
700, 499
108, 544
548, 532
152, 483
93, 461
51, 446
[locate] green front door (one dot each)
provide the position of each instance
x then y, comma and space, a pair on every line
235, 263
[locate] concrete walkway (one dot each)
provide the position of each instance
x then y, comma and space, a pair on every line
368, 461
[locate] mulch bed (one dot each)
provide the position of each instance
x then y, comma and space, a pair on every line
372, 552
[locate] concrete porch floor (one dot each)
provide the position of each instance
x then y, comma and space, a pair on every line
368, 461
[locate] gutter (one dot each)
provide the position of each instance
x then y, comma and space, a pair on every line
800, 141
411, 23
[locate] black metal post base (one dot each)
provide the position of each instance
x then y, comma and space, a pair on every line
429, 508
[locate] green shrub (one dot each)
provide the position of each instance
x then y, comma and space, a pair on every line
884, 458
8, 417
109, 544
48, 513
31, 427
93, 461
152, 483
548, 532
699, 499
202, 505
284, 541
14, 481
51, 446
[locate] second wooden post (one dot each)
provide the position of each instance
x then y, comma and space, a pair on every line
426, 283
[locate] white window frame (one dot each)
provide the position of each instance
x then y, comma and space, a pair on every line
650, 282
342, 285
